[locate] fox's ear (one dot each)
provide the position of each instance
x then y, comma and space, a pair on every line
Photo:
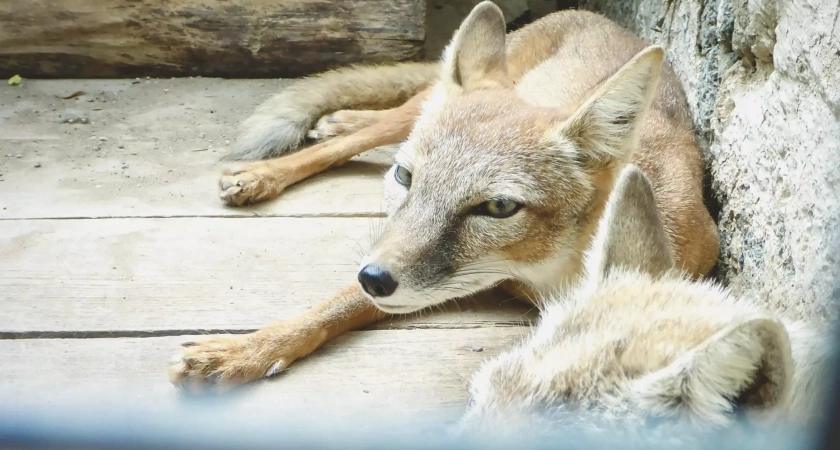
630, 233
606, 127
744, 368
475, 58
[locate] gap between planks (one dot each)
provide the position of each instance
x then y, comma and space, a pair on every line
252, 215
118, 334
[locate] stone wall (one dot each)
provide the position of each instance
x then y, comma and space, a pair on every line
763, 82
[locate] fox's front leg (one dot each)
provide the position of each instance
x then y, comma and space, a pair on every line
233, 360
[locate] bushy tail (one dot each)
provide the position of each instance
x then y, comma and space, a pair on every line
280, 124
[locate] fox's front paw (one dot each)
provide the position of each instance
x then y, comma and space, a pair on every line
341, 123
221, 363
253, 183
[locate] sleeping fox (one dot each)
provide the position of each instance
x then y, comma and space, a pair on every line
512, 144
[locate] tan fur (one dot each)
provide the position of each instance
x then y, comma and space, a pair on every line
637, 344
546, 116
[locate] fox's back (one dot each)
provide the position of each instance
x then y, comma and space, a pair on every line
559, 60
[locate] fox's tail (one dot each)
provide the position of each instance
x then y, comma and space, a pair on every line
280, 124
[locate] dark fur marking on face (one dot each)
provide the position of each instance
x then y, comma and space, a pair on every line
438, 256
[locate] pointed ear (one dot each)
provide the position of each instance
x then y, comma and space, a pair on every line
476, 56
747, 367
606, 127
630, 233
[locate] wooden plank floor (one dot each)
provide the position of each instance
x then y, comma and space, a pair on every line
114, 248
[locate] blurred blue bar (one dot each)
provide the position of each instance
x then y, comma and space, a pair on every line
206, 426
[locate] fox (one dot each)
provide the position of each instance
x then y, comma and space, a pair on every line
637, 345
508, 151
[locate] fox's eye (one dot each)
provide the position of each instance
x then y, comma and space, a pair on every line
403, 176
499, 208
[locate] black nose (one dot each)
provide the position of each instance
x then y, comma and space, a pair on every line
376, 281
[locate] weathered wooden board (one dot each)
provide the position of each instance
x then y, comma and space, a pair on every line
136, 275
160, 155
236, 38
361, 372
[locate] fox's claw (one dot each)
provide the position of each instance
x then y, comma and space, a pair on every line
251, 184
225, 362
215, 364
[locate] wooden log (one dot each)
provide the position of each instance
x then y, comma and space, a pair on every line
235, 39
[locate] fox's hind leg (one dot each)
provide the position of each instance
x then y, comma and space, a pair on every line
265, 180
344, 122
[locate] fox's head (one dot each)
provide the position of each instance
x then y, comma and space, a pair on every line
488, 188
637, 344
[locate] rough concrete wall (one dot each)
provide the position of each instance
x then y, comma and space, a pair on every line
763, 82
